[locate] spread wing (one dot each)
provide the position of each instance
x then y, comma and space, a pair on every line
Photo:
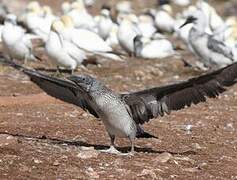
61, 89
220, 47
151, 103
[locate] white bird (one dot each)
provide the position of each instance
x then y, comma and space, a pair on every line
105, 23
152, 48
86, 40
80, 16
39, 20
181, 2
163, 19
146, 25
112, 39
62, 53
127, 31
211, 52
214, 21
16, 43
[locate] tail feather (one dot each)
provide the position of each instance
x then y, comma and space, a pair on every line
142, 134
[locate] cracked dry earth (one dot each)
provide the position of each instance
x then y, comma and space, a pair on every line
44, 138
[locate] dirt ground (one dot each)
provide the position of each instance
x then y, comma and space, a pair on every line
44, 138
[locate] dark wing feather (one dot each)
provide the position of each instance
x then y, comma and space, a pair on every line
220, 47
147, 104
60, 89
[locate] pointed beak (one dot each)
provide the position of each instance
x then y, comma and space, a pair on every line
185, 23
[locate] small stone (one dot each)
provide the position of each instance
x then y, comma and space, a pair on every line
148, 172
196, 146
7, 140
84, 148
202, 165
36, 161
56, 163
87, 154
191, 169
92, 174
163, 158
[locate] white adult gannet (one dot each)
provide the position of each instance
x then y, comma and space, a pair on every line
80, 16
105, 23
86, 40
112, 39
214, 21
181, 2
127, 31
39, 19
62, 53
152, 48
211, 52
163, 19
146, 25
16, 43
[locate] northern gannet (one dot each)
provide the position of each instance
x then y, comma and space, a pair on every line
123, 114
127, 31
152, 48
211, 52
16, 43
62, 53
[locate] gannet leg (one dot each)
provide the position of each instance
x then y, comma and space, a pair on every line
112, 149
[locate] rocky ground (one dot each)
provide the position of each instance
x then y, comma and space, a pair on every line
44, 138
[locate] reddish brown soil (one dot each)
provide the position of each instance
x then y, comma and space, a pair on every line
44, 138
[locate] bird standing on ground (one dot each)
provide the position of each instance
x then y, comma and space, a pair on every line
16, 43
127, 31
61, 52
122, 114
211, 52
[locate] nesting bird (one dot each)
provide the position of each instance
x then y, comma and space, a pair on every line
127, 31
152, 48
16, 43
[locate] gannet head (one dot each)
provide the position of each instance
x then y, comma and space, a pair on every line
124, 7
57, 26
189, 20
78, 5
67, 21
167, 8
130, 19
33, 6
86, 83
65, 7
105, 11
11, 18
47, 10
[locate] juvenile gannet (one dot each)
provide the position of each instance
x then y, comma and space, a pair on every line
123, 114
